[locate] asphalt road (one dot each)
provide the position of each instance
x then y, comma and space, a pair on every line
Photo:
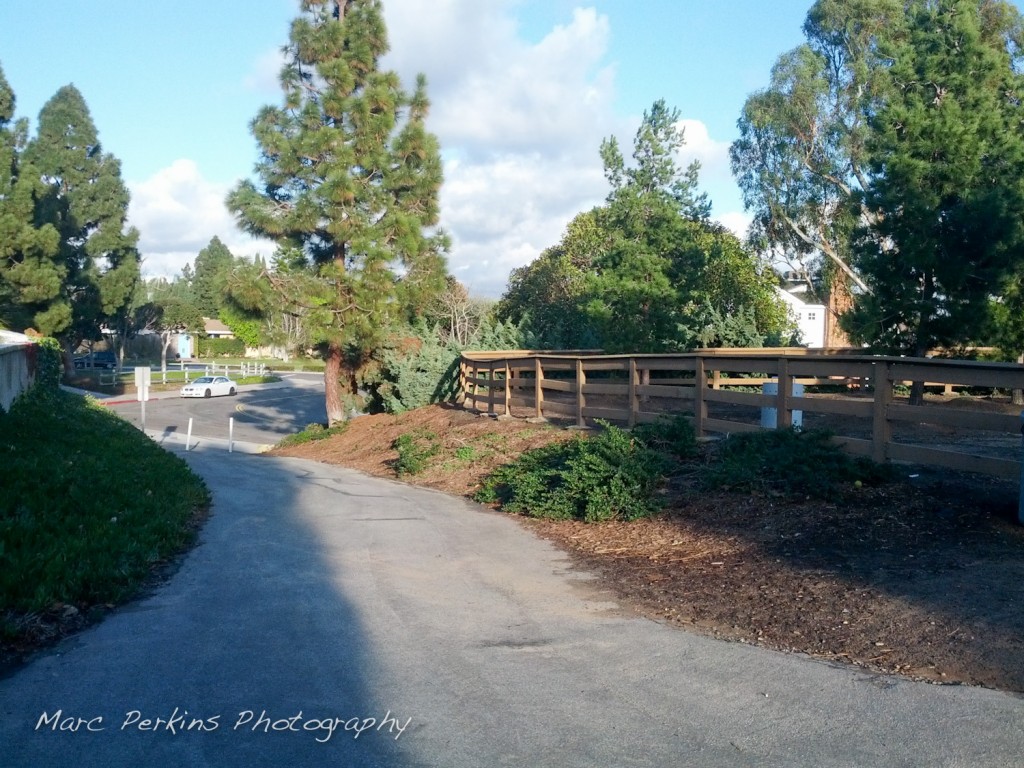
332, 619
262, 414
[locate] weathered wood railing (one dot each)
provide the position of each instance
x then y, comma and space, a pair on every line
707, 386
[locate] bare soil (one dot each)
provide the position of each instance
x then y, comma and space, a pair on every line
920, 578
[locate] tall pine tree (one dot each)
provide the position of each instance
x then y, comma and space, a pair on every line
86, 202
349, 178
213, 265
29, 278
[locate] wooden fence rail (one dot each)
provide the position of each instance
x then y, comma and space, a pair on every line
857, 397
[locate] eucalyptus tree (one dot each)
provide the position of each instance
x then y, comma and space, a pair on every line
348, 182
799, 159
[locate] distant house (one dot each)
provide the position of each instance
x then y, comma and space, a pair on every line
213, 328
810, 318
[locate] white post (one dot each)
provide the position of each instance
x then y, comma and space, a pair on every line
188, 437
143, 403
231, 434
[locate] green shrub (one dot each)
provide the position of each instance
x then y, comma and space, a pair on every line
418, 367
48, 363
671, 435
427, 374
791, 463
221, 347
415, 449
611, 474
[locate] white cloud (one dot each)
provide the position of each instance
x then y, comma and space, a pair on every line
520, 124
735, 221
177, 213
263, 76
713, 155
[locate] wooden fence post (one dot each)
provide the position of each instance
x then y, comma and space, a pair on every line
634, 403
700, 405
538, 388
581, 379
490, 387
508, 389
881, 429
462, 381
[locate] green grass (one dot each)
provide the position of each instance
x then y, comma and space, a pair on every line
88, 506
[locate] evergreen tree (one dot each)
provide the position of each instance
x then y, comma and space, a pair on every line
646, 269
86, 202
946, 187
349, 180
209, 281
29, 278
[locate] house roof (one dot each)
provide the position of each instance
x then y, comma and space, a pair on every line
214, 327
794, 301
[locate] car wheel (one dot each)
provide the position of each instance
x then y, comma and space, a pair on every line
231, 391
208, 393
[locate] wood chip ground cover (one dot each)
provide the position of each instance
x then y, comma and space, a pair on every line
919, 578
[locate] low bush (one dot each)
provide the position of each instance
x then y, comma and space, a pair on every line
415, 449
611, 474
672, 435
789, 462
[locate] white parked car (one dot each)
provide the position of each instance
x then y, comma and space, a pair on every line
209, 386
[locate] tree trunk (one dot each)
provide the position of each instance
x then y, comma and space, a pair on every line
840, 301
332, 385
166, 342
69, 360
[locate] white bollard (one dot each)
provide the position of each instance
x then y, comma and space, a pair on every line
231, 434
188, 437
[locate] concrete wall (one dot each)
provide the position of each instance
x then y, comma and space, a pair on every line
16, 374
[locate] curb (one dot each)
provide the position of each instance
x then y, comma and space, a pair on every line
177, 440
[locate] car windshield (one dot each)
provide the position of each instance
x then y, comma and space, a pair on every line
204, 380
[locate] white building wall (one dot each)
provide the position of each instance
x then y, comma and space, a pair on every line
810, 319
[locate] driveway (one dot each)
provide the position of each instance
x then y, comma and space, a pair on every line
329, 618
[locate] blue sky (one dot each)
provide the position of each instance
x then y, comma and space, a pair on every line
523, 91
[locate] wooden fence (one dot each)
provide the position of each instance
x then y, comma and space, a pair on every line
859, 398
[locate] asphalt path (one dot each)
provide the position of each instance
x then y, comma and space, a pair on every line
262, 413
327, 618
